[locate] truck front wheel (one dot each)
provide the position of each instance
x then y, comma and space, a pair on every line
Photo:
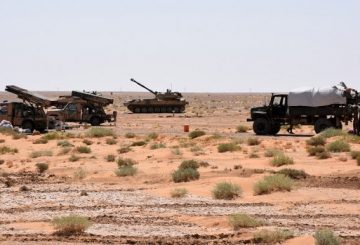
28, 125
95, 121
275, 128
261, 126
321, 124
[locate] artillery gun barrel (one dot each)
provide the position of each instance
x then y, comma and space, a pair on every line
133, 80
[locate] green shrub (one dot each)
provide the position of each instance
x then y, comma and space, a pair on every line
64, 151
281, 159
355, 154
323, 155
226, 190
6, 150
239, 220
189, 164
293, 173
98, 132
316, 141
80, 174
130, 135
64, 143
253, 141
152, 136
36, 154
313, 151
40, 141
179, 193
124, 150
74, 158
338, 146
110, 158
83, 149
128, 170
88, 142
71, 225
242, 129
228, 147
121, 162
272, 152
176, 151
326, 237
138, 143
111, 141
157, 146
185, 175
272, 183
196, 134
253, 155
332, 132
272, 237
57, 136
42, 167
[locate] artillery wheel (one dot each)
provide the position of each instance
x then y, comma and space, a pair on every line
261, 126
321, 124
157, 110
150, 110
137, 110
163, 109
144, 110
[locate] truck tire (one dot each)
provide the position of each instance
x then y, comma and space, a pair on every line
95, 121
262, 126
28, 125
321, 124
275, 128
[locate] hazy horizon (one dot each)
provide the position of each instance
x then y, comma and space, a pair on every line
190, 46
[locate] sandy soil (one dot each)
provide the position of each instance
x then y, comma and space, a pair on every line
139, 209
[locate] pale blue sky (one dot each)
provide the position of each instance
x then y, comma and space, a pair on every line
195, 45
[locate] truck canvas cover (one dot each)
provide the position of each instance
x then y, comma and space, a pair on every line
314, 97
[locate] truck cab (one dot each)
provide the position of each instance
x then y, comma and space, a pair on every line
268, 118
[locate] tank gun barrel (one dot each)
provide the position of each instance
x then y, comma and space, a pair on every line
134, 81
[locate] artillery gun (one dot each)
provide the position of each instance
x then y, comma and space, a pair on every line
168, 102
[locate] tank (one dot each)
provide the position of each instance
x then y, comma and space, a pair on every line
168, 102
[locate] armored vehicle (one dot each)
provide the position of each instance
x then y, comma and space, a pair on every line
28, 114
83, 107
322, 108
168, 102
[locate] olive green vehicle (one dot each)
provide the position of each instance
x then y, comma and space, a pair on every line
168, 102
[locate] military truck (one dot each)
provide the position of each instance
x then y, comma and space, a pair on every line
83, 107
168, 102
28, 114
322, 108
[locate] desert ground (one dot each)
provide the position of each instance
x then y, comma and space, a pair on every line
140, 209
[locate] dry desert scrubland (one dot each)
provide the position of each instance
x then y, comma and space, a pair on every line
145, 181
